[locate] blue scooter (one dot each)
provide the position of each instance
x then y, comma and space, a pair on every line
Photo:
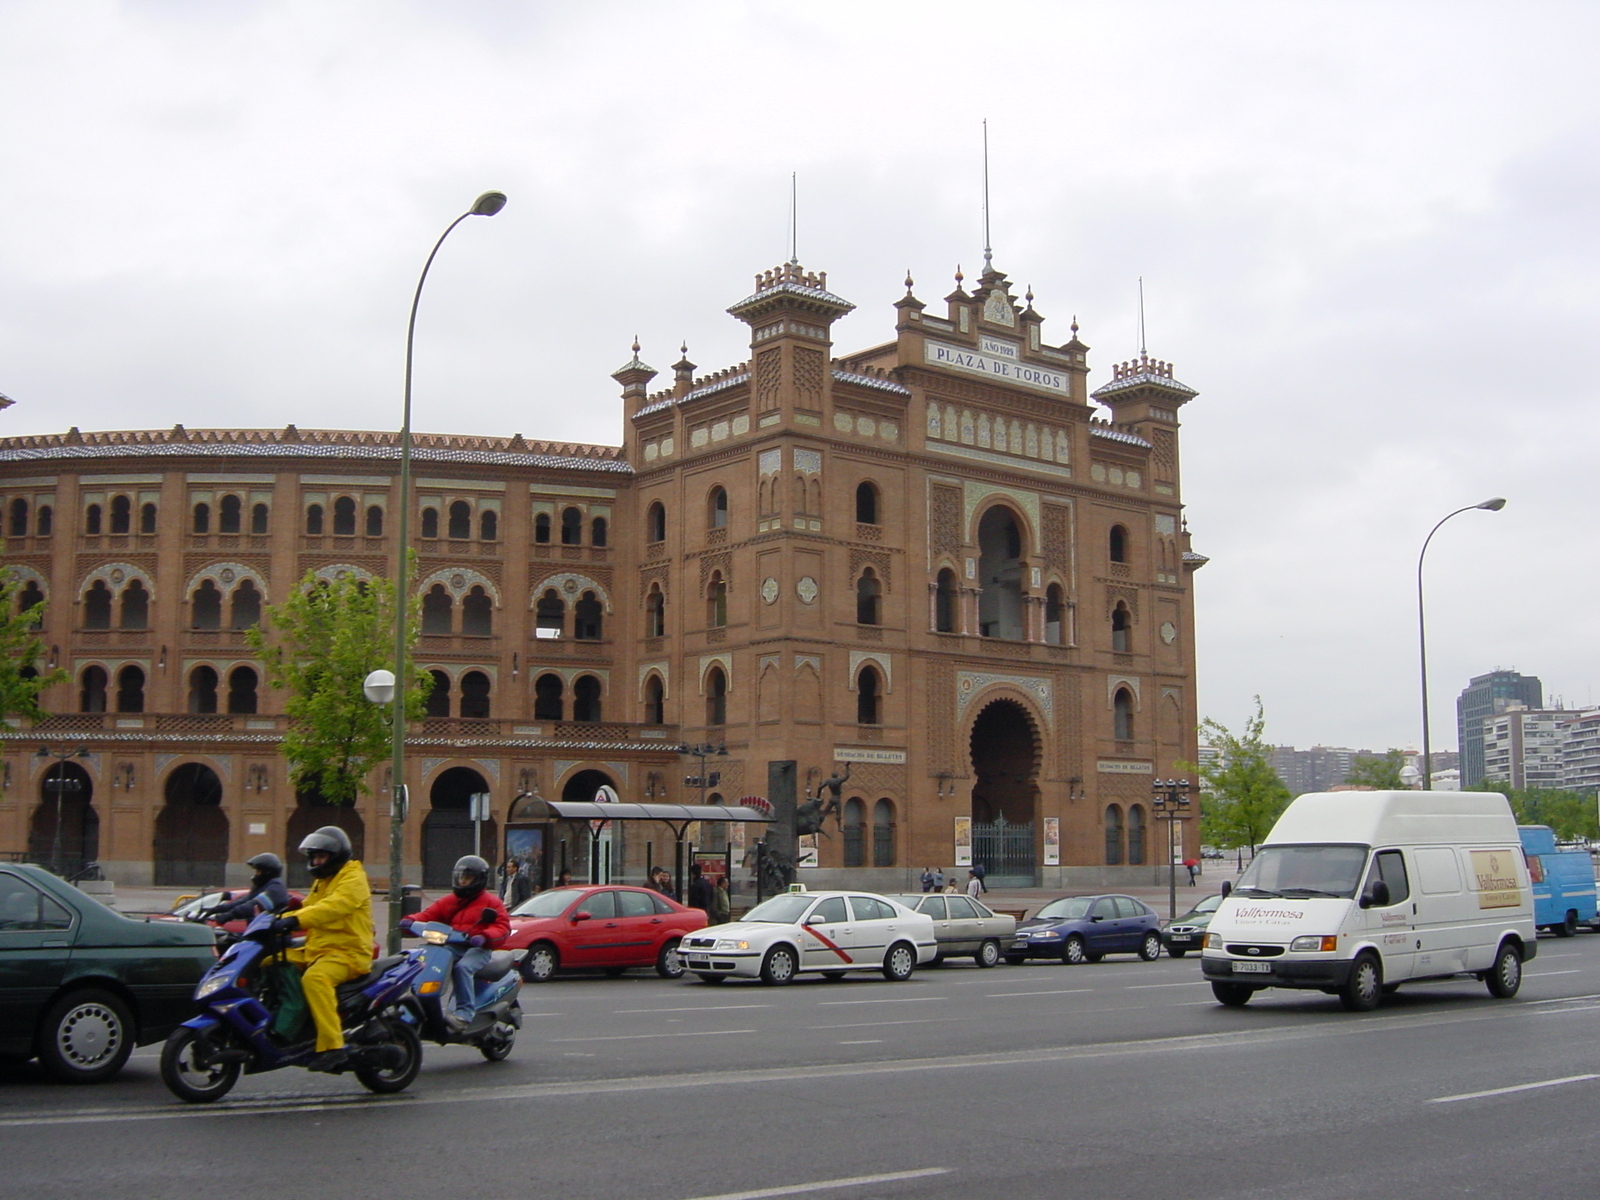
497, 1015
204, 1057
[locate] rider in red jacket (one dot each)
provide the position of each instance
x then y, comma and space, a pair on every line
473, 909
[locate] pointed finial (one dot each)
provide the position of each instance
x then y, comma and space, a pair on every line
1028, 295
1074, 324
959, 275
683, 348
636, 345
908, 281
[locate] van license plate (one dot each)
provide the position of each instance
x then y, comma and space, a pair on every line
1252, 968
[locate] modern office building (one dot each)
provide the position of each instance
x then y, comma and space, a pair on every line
1522, 747
1483, 697
940, 564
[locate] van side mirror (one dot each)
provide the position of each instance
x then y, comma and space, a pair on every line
1376, 895
1227, 889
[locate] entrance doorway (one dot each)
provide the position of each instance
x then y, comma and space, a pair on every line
66, 802
1005, 768
447, 829
191, 842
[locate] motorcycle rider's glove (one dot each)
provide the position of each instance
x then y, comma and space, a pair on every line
477, 939
407, 929
286, 924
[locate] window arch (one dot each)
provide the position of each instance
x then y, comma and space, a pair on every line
1117, 544
246, 605
1122, 715
655, 522
1113, 835
866, 503
717, 601
488, 526
203, 691
550, 615
437, 610
1121, 627
944, 602
460, 520
230, 515
374, 520
314, 520
19, 517
655, 607
852, 824
1000, 572
717, 509
597, 531
30, 595
135, 606
1136, 826
242, 690
475, 695
716, 697
541, 529
147, 518
258, 518
91, 519
571, 527
1055, 616
438, 701
430, 522
43, 524
477, 613
586, 699
92, 693
868, 704
867, 589
548, 693
205, 606
121, 514
97, 611
655, 701
883, 830
202, 517
130, 690
587, 617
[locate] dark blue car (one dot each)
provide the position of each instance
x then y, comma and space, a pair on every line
1077, 929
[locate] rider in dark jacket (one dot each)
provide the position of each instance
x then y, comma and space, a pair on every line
267, 892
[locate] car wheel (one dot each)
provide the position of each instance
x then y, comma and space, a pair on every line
779, 966
1234, 995
710, 978
1016, 960
669, 963
1176, 953
1074, 951
86, 1037
833, 976
988, 954
1568, 927
1364, 989
540, 963
188, 1073
1150, 948
1505, 977
396, 1078
900, 963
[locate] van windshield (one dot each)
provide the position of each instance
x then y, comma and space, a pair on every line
1301, 871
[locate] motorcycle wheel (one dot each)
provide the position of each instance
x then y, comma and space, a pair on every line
395, 1079
189, 1081
497, 1043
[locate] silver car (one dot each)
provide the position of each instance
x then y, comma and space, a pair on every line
964, 926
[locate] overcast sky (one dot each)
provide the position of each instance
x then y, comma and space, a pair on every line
1367, 233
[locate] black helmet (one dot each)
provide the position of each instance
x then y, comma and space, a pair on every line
470, 876
334, 842
268, 866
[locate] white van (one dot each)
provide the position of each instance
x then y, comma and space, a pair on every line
1355, 893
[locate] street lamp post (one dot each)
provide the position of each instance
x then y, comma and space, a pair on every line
1170, 799
485, 205
60, 789
703, 751
1492, 505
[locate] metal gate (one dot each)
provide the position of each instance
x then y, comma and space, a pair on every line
1006, 852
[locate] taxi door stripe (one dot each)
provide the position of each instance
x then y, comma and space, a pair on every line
827, 943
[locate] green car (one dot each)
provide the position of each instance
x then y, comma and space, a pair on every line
81, 985
1188, 932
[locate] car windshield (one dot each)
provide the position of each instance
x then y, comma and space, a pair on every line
781, 910
1302, 871
1209, 904
198, 905
1067, 908
547, 904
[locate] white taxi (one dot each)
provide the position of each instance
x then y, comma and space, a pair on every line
827, 933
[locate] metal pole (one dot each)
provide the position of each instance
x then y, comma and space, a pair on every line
55, 839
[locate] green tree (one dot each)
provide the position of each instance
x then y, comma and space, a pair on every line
21, 681
1240, 794
1571, 815
1380, 772
327, 638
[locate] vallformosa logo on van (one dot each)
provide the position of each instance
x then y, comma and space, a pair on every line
1495, 873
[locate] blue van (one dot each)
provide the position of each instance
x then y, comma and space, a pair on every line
1563, 882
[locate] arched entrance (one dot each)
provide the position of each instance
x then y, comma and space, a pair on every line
191, 843
312, 811
447, 829
66, 803
601, 851
1005, 770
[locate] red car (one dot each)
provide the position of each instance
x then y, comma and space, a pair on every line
606, 928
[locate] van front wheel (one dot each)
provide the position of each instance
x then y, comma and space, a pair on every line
1364, 989
1505, 977
1234, 995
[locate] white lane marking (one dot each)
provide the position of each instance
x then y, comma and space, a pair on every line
634, 1037
890, 1000
686, 1008
798, 1189
1544, 974
872, 1024
1561, 1012
1506, 1091
1058, 992
1135, 987
864, 1042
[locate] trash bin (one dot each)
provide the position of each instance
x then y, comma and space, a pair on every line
410, 899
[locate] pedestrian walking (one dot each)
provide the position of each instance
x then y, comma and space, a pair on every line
517, 887
974, 884
721, 904
927, 879
661, 880
980, 871
938, 879
1191, 864
699, 891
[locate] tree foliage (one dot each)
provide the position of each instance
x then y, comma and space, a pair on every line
1240, 794
21, 650
326, 638
1380, 772
1571, 815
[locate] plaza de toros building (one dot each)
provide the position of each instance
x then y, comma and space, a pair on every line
933, 562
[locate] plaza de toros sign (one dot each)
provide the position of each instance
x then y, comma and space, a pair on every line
994, 367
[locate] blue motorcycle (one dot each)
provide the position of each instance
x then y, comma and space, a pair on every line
239, 997
497, 1016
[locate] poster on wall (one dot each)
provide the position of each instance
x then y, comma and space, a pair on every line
527, 847
806, 855
963, 841
1052, 841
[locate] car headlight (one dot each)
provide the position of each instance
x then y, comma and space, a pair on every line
732, 944
1045, 935
1325, 942
215, 984
1214, 941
